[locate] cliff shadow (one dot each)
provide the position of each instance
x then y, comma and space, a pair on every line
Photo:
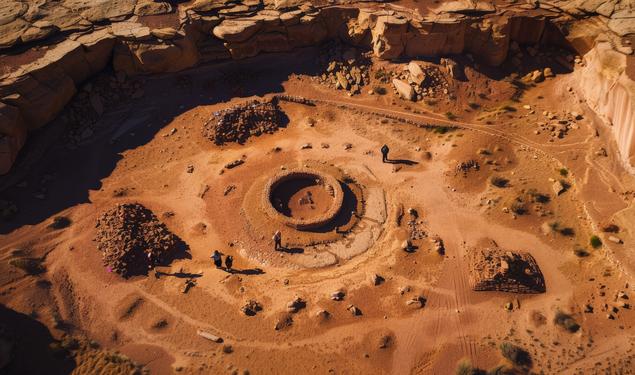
50, 177
32, 350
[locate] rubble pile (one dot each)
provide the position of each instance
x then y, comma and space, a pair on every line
495, 269
238, 123
94, 98
558, 126
345, 68
417, 82
133, 240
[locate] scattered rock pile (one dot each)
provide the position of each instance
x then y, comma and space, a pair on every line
495, 269
133, 240
466, 166
345, 68
238, 123
416, 82
93, 99
558, 126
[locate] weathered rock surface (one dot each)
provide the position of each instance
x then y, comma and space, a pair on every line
210, 30
404, 89
496, 269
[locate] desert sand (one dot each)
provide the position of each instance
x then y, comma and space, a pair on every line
497, 236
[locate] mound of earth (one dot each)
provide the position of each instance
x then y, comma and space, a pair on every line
496, 269
133, 240
238, 123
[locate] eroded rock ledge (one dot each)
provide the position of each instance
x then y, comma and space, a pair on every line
119, 32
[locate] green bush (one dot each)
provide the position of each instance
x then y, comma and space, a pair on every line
566, 321
516, 355
564, 172
595, 241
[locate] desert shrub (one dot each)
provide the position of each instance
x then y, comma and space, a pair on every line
60, 222
464, 367
450, 115
516, 355
31, 266
595, 241
564, 172
379, 90
538, 197
441, 129
518, 207
382, 75
580, 252
430, 101
474, 105
566, 321
567, 231
499, 182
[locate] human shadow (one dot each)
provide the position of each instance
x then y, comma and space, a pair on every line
180, 274
248, 272
291, 250
401, 161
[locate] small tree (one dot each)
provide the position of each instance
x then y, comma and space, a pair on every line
595, 241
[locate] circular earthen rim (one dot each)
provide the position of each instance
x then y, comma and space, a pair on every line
329, 182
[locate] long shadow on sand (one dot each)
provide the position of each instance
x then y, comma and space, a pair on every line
70, 175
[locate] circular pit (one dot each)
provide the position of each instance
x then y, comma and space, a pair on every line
303, 198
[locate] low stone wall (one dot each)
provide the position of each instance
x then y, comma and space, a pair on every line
327, 181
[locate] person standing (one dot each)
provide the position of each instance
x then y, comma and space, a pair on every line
384, 153
228, 263
277, 241
217, 258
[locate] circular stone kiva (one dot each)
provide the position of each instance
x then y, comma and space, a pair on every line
302, 198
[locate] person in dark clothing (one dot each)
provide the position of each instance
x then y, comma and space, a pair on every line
217, 258
228, 262
277, 241
384, 153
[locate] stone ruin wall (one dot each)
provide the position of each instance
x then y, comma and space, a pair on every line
36, 93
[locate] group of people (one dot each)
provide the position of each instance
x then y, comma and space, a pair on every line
217, 258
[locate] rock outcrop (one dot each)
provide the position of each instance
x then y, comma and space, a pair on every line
97, 32
495, 269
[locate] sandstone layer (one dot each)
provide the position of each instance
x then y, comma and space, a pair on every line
80, 38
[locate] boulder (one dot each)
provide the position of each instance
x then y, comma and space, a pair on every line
102, 10
237, 30
389, 36
151, 8
558, 188
404, 89
165, 33
416, 73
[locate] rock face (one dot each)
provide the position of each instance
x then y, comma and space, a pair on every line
133, 240
495, 269
611, 93
96, 32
